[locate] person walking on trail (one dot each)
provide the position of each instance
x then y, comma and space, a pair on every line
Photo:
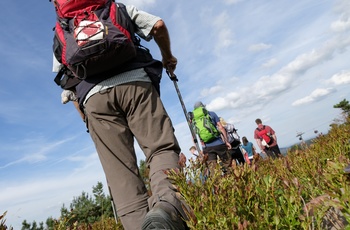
197, 157
124, 107
197, 160
215, 145
233, 138
266, 139
249, 148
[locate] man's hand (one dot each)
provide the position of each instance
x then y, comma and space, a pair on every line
67, 96
170, 64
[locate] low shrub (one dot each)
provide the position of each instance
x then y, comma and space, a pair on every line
307, 189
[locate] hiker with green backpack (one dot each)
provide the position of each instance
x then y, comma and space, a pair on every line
209, 129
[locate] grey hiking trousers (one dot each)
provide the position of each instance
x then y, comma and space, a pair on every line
115, 117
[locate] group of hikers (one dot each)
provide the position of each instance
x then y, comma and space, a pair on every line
113, 82
221, 143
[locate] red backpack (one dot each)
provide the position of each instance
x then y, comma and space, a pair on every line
92, 36
262, 133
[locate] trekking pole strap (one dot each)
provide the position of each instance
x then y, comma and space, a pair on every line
172, 76
60, 75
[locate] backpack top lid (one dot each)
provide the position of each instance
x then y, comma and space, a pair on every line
199, 112
71, 8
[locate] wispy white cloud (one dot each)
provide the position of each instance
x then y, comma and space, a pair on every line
212, 90
270, 63
33, 151
341, 8
316, 95
259, 47
44, 194
217, 103
224, 35
139, 3
231, 2
340, 78
341, 25
269, 86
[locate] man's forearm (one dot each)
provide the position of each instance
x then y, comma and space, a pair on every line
274, 137
258, 142
162, 38
224, 133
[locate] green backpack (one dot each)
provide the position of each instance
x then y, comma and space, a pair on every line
204, 126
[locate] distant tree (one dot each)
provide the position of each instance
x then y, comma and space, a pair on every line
344, 106
102, 202
84, 209
98, 192
64, 212
25, 225
34, 226
50, 223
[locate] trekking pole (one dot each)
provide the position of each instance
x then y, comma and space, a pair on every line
113, 205
174, 80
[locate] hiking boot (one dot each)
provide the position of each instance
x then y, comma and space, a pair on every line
163, 216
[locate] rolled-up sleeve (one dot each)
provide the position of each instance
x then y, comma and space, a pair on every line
143, 21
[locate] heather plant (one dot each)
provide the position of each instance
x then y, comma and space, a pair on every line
103, 224
307, 189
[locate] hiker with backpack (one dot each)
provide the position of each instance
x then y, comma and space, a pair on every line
209, 129
266, 139
233, 138
118, 91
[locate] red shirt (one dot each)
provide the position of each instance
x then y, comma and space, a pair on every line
268, 130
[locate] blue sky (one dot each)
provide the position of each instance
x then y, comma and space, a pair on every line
286, 62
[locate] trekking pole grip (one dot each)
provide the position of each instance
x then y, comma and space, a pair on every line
172, 76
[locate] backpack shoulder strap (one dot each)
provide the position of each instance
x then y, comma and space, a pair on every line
122, 17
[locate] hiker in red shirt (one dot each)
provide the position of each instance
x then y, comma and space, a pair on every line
266, 139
